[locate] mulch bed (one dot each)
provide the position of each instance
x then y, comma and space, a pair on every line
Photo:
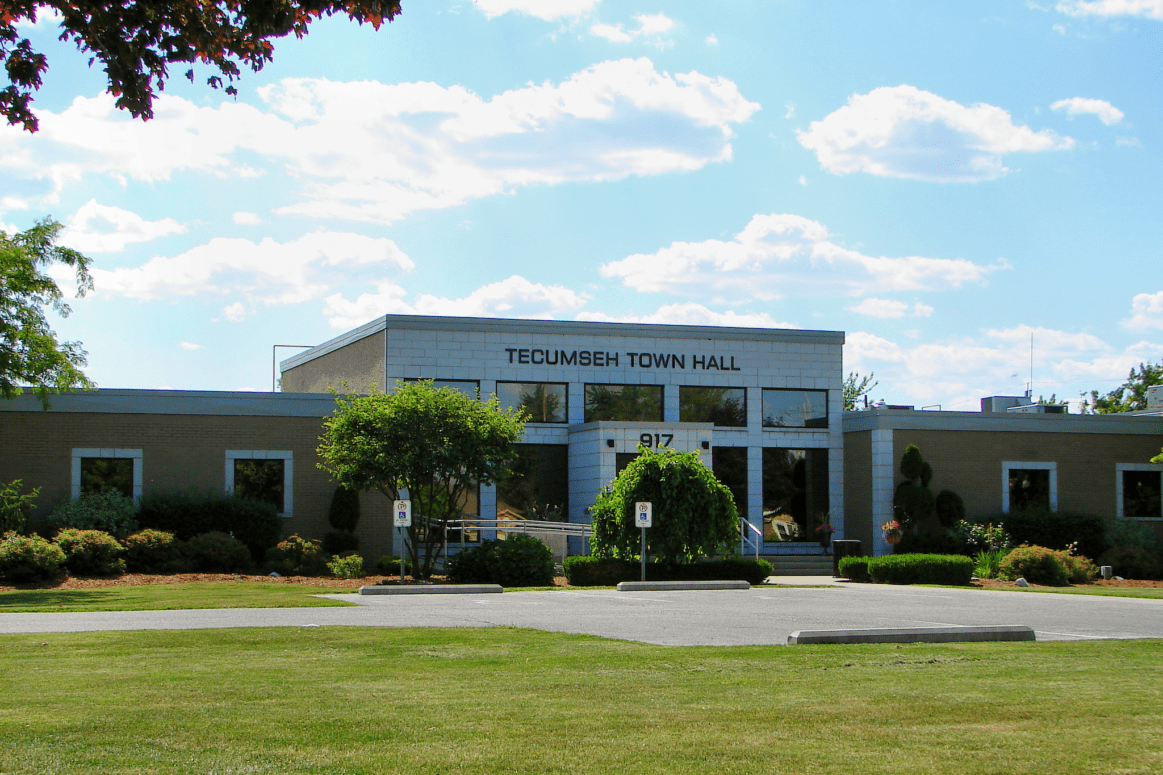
995, 584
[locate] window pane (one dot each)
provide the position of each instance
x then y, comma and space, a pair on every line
623, 459
795, 493
795, 408
468, 387
260, 480
730, 467
539, 487
543, 401
1141, 494
623, 403
107, 474
1029, 489
722, 406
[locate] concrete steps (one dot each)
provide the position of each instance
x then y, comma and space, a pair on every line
800, 564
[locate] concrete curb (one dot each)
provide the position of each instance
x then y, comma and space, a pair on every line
667, 586
432, 589
913, 635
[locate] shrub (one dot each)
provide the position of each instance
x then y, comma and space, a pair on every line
987, 563
1132, 532
110, 512
29, 558
589, 571
855, 568
468, 566
747, 569
340, 542
921, 569
297, 556
1056, 529
343, 514
950, 508
947, 542
14, 507
349, 566
218, 552
91, 552
1132, 562
521, 561
390, 564
1079, 569
1037, 565
187, 514
154, 551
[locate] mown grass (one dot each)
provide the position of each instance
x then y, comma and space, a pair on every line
362, 700
164, 597
1153, 593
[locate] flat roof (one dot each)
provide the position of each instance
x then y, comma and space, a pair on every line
196, 402
882, 418
563, 328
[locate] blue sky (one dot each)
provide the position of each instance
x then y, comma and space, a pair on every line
938, 180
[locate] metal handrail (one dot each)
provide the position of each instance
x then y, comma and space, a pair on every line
743, 537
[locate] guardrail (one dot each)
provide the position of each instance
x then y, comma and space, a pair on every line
745, 539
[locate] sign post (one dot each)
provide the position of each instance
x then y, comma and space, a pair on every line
402, 517
643, 512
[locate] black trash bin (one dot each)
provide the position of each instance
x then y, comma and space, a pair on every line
840, 550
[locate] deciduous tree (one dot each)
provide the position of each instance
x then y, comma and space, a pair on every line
136, 42
857, 387
1131, 396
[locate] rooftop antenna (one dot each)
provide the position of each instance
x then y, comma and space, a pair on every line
1030, 384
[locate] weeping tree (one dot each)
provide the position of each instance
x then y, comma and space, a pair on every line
694, 514
436, 444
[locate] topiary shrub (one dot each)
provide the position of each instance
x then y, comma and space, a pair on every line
953, 569
348, 566
520, 561
1036, 564
340, 542
950, 508
110, 512
1055, 529
187, 514
343, 514
589, 571
297, 556
91, 552
154, 551
29, 558
218, 552
1132, 562
855, 568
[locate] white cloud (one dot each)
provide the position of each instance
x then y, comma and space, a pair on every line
514, 297
712, 40
1129, 142
542, 9
803, 181
904, 132
887, 308
373, 152
1077, 106
691, 314
777, 255
266, 272
243, 218
98, 228
1146, 312
651, 28
191, 346
791, 110
1150, 9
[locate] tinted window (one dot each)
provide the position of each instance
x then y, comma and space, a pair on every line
795, 408
725, 407
542, 401
1029, 489
795, 493
106, 474
260, 480
623, 403
729, 465
1141, 494
539, 487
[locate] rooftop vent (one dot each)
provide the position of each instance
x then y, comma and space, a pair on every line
1003, 403
1155, 397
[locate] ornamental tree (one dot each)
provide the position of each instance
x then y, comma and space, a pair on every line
694, 514
437, 444
1131, 396
136, 41
29, 351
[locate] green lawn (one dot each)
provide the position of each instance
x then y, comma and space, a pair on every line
162, 597
1154, 593
360, 700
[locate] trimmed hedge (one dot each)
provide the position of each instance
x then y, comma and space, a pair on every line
944, 542
855, 568
187, 514
154, 551
952, 569
518, 561
91, 552
29, 558
607, 571
218, 552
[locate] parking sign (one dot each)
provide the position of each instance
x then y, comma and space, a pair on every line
403, 513
642, 514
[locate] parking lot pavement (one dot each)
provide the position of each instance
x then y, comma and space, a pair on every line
759, 616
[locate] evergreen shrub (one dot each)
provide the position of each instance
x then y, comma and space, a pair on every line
950, 508
952, 569
390, 564
1055, 529
218, 552
297, 556
347, 566
518, 561
1037, 565
590, 571
187, 514
110, 512
1132, 562
343, 514
340, 542
91, 552
946, 542
855, 568
154, 551
608, 571
29, 558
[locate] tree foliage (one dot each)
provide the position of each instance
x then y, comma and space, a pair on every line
436, 443
14, 506
857, 387
694, 514
1131, 396
136, 42
29, 351
913, 502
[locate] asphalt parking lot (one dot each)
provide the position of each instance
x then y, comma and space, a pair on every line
760, 616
